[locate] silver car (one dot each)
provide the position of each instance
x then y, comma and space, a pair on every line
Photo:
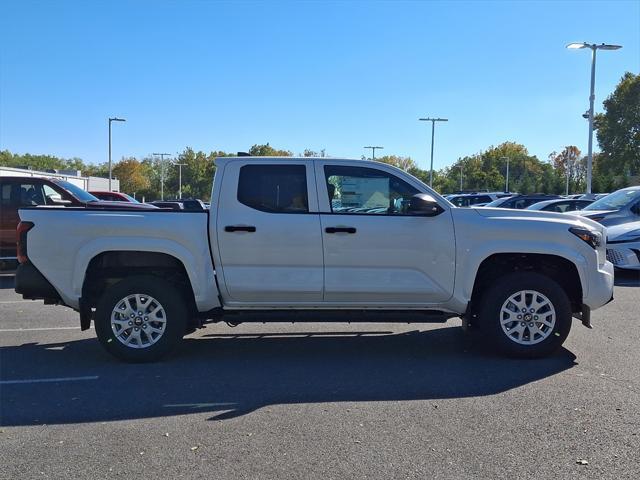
623, 245
621, 206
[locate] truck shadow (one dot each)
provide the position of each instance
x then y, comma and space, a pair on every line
229, 375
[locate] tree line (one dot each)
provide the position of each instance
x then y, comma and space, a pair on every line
616, 165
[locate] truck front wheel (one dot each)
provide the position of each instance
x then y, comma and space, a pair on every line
140, 318
525, 315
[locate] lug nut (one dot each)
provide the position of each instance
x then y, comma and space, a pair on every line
140, 313
535, 317
519, 317
531, 324
130, 323
147, 319
144, 326
523, 324
136, 329
532, 310
524, 310
132, 315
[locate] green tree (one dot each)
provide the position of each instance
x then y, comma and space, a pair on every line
133, 175
267, 150
618, 128
570, 165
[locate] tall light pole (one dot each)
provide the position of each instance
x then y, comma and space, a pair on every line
114, 119
506, 184
594, 48
373, 152
179, 165
433, 132
161, 155
460, 178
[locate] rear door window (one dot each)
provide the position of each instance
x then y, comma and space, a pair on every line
274, 188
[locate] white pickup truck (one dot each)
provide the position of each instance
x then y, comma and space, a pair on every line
299, 239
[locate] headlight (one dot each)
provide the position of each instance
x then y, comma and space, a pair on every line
594, 239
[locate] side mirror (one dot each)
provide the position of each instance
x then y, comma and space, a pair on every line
424, 205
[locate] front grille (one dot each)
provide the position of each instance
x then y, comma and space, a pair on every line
616, 257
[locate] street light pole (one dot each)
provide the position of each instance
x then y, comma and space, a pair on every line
460, 178
114, 119
179, 165
433, 131
161, 155
594, 47
373, 151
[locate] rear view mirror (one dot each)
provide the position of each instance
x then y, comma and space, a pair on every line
424, 205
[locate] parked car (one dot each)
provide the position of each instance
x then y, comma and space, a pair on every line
621, 206
114, 196
469, 199
623, 245
560, 205
520, 202
18, 192
305, 239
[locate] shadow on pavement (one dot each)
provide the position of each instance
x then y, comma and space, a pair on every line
232, 375
627, 278
6, 281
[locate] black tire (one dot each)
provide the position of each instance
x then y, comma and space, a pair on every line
174, 314
490, 315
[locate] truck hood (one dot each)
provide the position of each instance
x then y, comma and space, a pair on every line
539, 216
620, 232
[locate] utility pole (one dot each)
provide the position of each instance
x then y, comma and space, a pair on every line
161, 155
114, 119
594, 48
373, 151
180, 165
433, 131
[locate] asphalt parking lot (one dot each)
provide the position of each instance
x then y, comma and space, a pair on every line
325, 401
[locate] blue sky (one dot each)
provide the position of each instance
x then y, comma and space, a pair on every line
333, 75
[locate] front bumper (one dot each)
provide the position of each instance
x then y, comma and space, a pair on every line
623, 256
600, 291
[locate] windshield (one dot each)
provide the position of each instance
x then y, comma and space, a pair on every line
131, 199
77, 192
498, 202
615, 200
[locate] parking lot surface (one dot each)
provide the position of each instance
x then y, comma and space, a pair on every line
325, 401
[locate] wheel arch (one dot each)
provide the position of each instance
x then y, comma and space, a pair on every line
562, 270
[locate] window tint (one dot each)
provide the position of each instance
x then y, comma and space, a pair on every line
367, 191
5, 194
274, 188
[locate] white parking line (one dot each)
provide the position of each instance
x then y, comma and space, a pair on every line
14, 301
37, 329
48, 380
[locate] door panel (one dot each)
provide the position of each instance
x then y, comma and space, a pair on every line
392, 257
268, 233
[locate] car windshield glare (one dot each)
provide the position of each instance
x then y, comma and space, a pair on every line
76, 191
615, 200
498, 202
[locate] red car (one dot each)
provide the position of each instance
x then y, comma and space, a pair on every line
114, 197
20, 192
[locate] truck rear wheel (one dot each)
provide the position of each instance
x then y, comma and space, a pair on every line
525, 315
141, 318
